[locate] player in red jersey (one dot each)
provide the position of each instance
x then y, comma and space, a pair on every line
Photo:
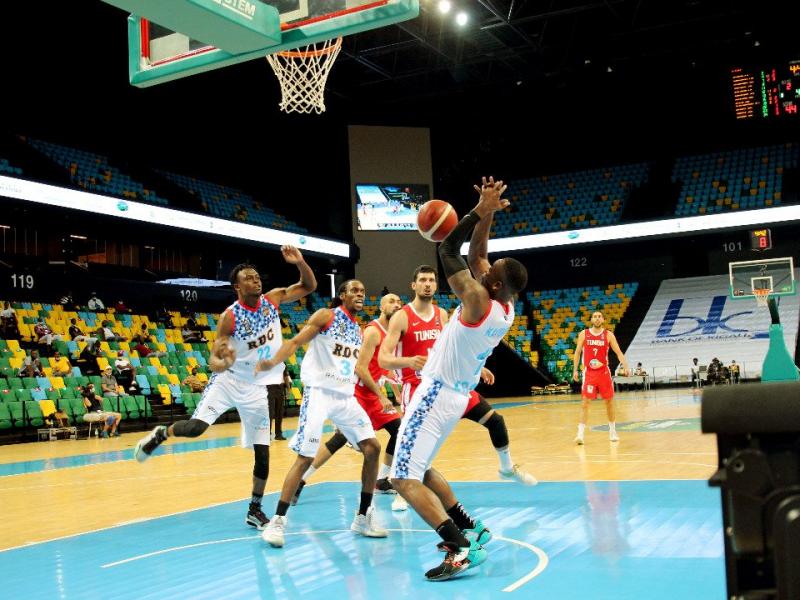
594, 343
371, 396
412, 333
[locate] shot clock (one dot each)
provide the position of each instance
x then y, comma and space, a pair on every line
760, 239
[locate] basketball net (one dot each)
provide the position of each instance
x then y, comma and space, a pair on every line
762, 295
302, 74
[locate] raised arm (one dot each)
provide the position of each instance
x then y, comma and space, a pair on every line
474, 297
576, 359
478, 256
222, 354
612, 341
371, 343
306, 285
386, 357
316, 323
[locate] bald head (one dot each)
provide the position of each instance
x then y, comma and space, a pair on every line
390, 304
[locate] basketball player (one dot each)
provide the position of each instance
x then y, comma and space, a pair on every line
452, 370
328, 375
594, 343
412, 333
248, 330
370, 395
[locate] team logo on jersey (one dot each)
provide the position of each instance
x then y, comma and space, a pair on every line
589, 389
595, 364
247, 326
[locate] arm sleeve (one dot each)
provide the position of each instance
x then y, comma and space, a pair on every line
449, 249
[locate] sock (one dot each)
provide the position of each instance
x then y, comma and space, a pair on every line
612, 427
281, 509
449, 532
460, 516
504, 454
383, 473
255, 501
581, 427
366, 502
309, 472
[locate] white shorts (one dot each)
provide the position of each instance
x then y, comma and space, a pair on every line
225, 391
430, 417
344, 411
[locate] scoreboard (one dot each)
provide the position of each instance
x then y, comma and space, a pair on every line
766, 93
761, 239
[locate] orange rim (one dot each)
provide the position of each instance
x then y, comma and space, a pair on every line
311, 53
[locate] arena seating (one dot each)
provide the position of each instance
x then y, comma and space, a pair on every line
6, 168
733, 180
568, 201
93, 173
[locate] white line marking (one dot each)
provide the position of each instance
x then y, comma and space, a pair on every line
543, 562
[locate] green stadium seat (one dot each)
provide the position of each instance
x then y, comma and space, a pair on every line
23, 395
15, 383
15, 412
145, 410
34, 413
131, 408
5, 417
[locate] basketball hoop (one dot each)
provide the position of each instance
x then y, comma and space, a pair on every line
762, 295
303, 73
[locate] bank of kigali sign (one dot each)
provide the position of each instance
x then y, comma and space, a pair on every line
677, 327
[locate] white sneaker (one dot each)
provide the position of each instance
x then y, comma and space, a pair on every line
366, 526
612, 436
579, 440
517, 474
273, 532
399, 504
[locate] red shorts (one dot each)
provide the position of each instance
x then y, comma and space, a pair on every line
408, 391
372, 406
597, 381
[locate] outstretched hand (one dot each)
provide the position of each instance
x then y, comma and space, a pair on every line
291, 255
491, 193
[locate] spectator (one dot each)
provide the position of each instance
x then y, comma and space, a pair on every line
384, 291
126, 373
734, 371
120, 307
66, 301
61, 365
190, 336
45, 335
695, 372
145, 351
95, 304
143, 335
108, 383
276, 396
87, 361
192, 324
194, 382
109, 335
639, 370
714, 373
8, 322
163, 316
77, 335
96, 414
32, 369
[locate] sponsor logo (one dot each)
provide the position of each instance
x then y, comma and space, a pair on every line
676, 327
589, 389
595, 364
573, 235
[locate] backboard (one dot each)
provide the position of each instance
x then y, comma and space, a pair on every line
158, 54
775, 274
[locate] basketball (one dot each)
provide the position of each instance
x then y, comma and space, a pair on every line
436, 219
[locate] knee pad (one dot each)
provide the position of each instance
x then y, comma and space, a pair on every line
261, 465
191, 428
336, 442
393, 427
497, 430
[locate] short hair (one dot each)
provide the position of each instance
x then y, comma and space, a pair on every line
342, 289
515, 275
234, 276
72, 321
423, 269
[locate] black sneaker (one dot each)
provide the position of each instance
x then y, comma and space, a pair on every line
256, 518
384, 486
297, 492
279, 437
456, 561
146, 445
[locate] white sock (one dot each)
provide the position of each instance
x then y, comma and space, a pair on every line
581, 427
309, 472
612, 427
504, 454
383, 473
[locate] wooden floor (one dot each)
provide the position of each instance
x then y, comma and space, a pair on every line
52, 503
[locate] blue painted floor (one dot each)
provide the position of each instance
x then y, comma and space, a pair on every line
586, 540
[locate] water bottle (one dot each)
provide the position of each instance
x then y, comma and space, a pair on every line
96, 432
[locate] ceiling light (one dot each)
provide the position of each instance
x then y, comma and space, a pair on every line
444, 6
462, 18
77, 237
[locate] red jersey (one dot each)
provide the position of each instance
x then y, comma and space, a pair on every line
375, 369
418, 339
595, 350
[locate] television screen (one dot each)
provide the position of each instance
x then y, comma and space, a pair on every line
386, 207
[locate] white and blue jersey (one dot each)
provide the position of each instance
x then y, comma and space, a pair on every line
461, 350
330, 362
256, 336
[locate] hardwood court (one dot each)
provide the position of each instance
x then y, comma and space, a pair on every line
54, 489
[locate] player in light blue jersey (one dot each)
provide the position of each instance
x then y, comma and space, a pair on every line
249, 331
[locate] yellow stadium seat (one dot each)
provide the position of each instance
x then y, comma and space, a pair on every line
47, 407
155, 362
296, 394
163, 389
202, 376
102, 362
173, 379
162, 370
192, 361
57, 383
